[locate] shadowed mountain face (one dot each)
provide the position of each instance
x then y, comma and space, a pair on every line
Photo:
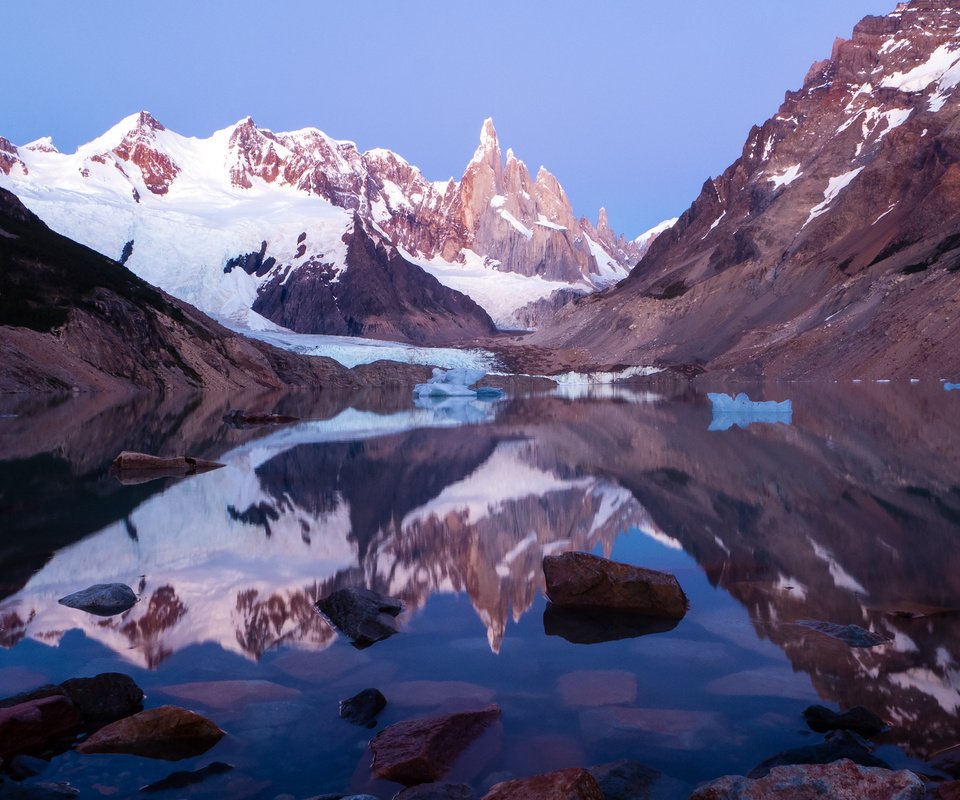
830, 247
847, 516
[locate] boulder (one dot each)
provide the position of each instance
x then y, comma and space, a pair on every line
36, 724
107, 697
166, 732
842, 780
362, 614
102, 599
436, 791
853, 635
243, 419
183, 779
583, 580
133, 468
565, 784
423, 750
857, 719
627, 780
362, 708
838, 745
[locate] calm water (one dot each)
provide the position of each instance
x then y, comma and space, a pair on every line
845, 515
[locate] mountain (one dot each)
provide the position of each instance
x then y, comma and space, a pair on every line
312, 233
831, 247
71, 318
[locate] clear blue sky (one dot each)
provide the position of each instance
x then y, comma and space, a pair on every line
631, 104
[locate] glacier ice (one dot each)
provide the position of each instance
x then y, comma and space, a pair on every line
742, 411
455, 383
951, 386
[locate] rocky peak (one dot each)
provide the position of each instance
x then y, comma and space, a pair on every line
139, 146
251, 152
42, 145
10, 157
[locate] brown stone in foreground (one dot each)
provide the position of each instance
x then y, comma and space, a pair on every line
33, 724
139, 467
584, 580
841, 780
423, 750
166, 732
565, 784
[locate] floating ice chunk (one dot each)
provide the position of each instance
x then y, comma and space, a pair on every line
455, 383
951, 386
742, 411
459, 410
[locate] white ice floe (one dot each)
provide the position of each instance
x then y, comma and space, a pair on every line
455, 383
742, 411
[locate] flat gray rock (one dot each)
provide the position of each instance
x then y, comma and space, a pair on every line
103, 599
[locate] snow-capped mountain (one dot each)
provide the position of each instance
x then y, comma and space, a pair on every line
249, 218
830, 247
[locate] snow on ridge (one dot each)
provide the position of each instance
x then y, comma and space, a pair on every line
786, 177
941, 60
656, 230
834, 186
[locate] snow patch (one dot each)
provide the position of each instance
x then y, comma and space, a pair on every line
834, 186
785, 178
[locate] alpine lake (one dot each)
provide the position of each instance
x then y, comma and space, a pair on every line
845, 512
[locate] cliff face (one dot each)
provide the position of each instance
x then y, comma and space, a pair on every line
830, 247
71, 318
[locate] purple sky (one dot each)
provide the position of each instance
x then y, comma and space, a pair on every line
632, 105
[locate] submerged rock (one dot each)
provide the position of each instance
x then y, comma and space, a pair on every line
842, 780
564, 784
242, 419
858, 719
107, 697
183, 779
362, 708
166, 732
853, 635
423, 750
36, 724
436, 791
627, 780
134, 468
362, 614
579, 580
594, 625
103, 599
838, 745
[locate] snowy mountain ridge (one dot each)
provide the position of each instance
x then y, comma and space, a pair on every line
183, 212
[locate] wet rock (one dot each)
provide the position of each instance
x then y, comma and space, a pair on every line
595, 625
582, 579
230, 694
102, 599
565, 784
842, 780
858, 719
133, 468
436, 791
36, 724
362, 614
838, 745
242, 419
435, 693
362, 708
601, 687
22, 767
183, 779
45, 790
627, 780
167, 732
104, 698
853, 635
423, 750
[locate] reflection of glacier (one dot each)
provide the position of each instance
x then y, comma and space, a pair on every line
238, 556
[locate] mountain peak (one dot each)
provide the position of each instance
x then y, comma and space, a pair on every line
488, 134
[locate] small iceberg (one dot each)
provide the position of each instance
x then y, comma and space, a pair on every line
455, 383
951, 386
742, 411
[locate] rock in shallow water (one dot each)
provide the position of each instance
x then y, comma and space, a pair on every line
858, 719
363, 707
842, 780
594, 625
436, 791
423, 750
166, 732
102, 599
104, 698
36, 724
362, 614
838, 745
565, 784
582, 579
853, 635
132, 468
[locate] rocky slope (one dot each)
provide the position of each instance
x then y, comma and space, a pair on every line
831, 246
71, 318
185, 213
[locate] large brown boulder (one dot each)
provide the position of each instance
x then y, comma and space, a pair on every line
578, 580
564, 784
36, 723
166, 732
842, 780
423, 750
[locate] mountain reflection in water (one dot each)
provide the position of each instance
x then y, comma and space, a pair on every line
849, 516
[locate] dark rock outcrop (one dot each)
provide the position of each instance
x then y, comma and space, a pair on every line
362, 708
166, 732
362, 614
838, 745
423, 750
578, 580
858, 719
